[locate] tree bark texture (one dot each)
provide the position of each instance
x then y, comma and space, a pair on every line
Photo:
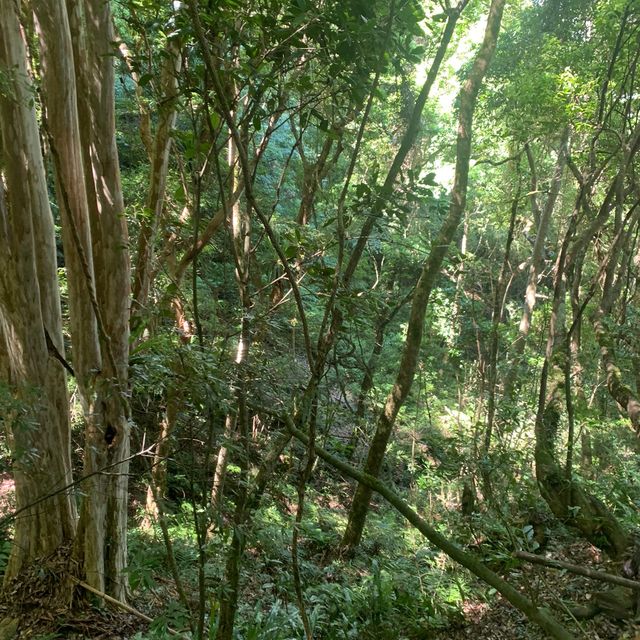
30, 319
78, 105
109, 442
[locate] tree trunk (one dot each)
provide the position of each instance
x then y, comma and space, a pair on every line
566, 498
623, 394
112, 276
78, 81
30, 319
496, 316
157, 489
431, 269
167, 111
537, 258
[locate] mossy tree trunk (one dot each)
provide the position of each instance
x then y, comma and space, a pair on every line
566, 497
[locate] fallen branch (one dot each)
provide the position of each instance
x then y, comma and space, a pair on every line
582, 571
125, 606
539, 616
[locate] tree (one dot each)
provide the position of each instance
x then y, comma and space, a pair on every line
78, 85
431, 269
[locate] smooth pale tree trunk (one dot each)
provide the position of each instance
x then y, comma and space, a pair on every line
406, 371
30, 319
237, 425
239, 227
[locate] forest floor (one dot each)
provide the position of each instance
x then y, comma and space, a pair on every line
482, 620
32, 605
560, 591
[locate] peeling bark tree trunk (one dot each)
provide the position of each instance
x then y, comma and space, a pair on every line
431, 269
30, 319
81, 132
78, 92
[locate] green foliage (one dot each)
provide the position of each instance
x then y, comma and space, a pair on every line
297, 76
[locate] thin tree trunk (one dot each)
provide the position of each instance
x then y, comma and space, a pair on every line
496, 317
431, 269
156, 491
167, 112
241, 242
537, 258
622, 393
240, 227
312, 175
566, 498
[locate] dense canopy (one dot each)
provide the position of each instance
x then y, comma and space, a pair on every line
319, 319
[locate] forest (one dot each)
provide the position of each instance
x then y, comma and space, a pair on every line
319, 319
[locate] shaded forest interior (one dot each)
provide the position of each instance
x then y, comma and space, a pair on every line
319, 320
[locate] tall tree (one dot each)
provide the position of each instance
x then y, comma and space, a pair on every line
78, 99
408, 363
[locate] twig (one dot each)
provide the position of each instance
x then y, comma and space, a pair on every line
582, 571
124, 606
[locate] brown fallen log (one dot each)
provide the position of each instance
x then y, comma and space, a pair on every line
574, 568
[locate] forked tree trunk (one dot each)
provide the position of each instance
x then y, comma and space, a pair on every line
78, 89
431, 269
543, 217
617, 258
110, 444
167, 113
